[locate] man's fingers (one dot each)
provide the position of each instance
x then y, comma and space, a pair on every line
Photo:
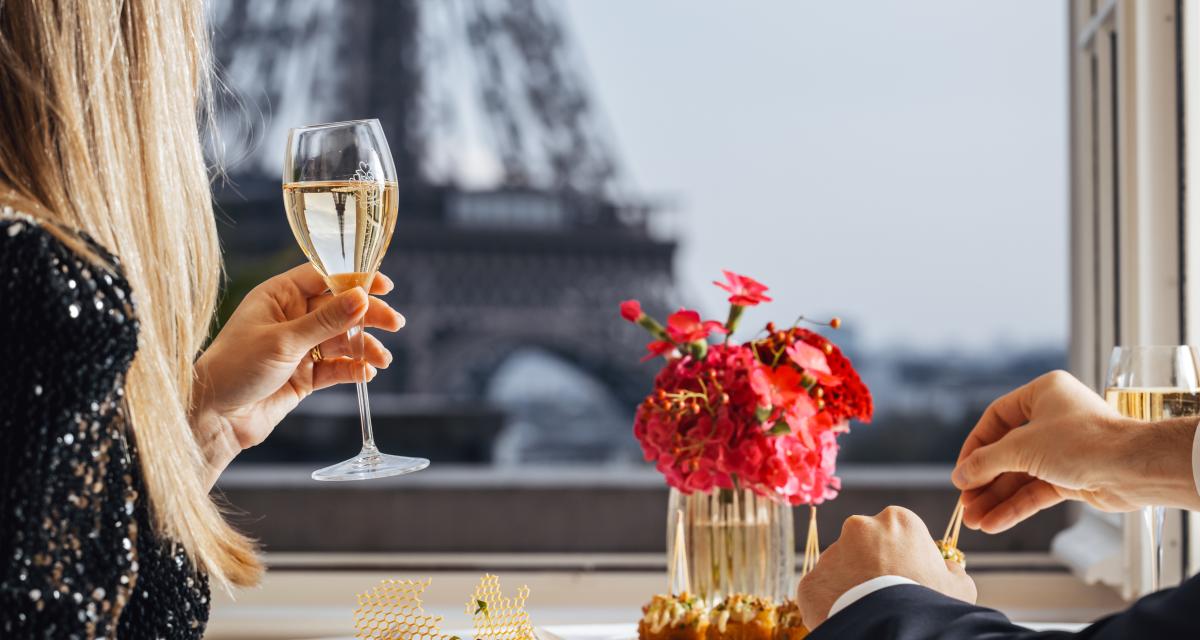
978, 502
1004, 414
986, 463
1028, 500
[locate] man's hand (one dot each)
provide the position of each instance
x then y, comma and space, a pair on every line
896, 543
1054, 439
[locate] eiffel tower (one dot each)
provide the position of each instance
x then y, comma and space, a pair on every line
537, 261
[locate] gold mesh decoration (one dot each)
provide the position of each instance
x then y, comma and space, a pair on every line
393, 611
496, 617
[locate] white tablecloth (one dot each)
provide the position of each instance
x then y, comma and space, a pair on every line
629, 631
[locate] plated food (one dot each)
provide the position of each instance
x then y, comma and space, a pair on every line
790, 625
681, 617
738, 617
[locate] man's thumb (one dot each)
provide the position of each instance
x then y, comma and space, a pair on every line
987, 463
330, 320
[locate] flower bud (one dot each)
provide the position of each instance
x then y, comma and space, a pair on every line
631, 310
836, 322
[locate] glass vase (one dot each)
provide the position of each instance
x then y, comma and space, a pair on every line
735, 542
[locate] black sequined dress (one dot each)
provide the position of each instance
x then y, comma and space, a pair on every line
78, 555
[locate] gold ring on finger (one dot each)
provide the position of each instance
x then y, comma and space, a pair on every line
315, 354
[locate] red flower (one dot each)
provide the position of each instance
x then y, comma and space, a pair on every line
658, 348
631, 310
684, 326
849, 400
745, 291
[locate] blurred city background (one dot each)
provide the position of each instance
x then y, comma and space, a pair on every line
901, 165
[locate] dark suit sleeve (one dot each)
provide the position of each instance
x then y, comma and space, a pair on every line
910, 612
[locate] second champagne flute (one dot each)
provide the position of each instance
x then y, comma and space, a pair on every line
1154, 383
340, 192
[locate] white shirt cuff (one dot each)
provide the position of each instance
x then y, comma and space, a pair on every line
854, 594
1196, 460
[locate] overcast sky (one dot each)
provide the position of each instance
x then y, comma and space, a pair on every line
900, 163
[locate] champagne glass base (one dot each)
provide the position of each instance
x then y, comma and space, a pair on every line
368, 464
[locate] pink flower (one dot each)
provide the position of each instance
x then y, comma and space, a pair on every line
809, 358
745, 291
797, 417
684, 326
813, 361
631, 310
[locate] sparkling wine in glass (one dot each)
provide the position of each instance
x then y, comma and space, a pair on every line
1154, 383
340, 193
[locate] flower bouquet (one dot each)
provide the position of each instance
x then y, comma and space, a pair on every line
742, 430
762, 415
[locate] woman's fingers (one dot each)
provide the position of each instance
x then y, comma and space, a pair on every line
329, 372
381, 285
380, 315
336, 316
311, 283
373, 350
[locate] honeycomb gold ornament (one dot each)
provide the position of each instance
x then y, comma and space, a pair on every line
393, 611
496, 617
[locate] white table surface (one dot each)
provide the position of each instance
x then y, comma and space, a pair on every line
629, 631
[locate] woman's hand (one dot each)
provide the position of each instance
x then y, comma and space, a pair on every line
259, 367
1054, 439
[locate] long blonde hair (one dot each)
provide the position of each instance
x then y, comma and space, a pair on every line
100, 113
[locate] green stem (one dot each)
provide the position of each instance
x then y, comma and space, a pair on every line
735, 315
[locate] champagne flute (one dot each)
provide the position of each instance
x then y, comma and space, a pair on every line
340, 193
1154, 383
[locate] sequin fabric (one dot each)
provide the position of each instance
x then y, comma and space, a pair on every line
79, 557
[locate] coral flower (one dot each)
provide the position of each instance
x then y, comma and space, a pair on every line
658, 348
744, 290
684, 326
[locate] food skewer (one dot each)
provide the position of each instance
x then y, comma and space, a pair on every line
948, 545
812, 548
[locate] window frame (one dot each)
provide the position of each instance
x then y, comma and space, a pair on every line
1130, 237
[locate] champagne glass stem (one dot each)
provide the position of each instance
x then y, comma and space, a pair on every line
357, 349
1154, 520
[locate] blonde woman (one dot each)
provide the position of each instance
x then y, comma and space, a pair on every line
113, 425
